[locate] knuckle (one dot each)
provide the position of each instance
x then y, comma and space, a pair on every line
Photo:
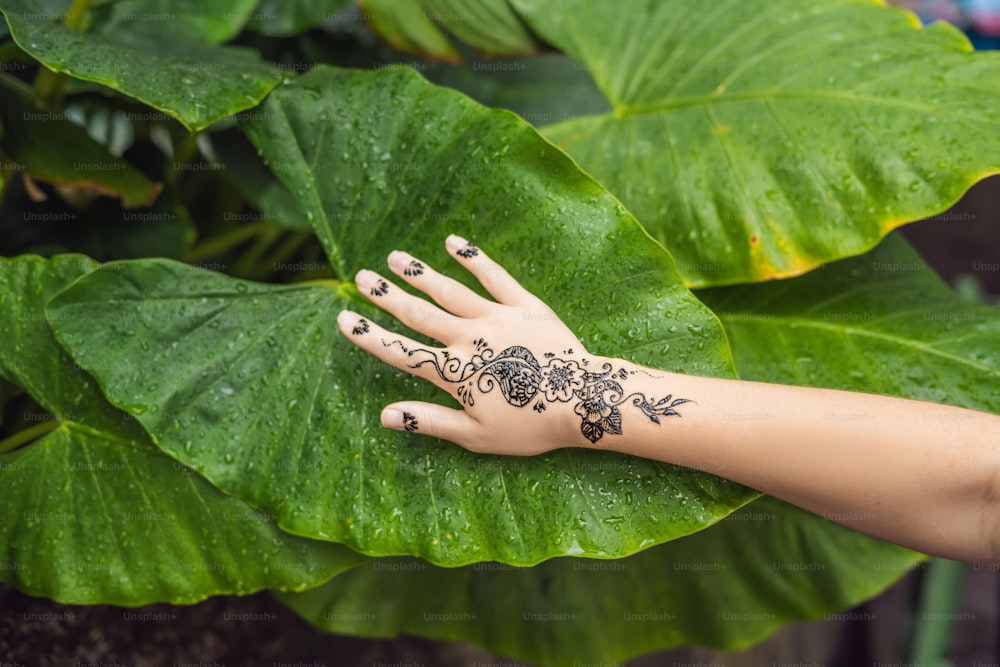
428, 316
429, 426
448, 292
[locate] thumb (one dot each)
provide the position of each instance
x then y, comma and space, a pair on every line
430, 419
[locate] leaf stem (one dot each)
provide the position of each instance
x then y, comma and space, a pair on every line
940, 595
76, 13
265, 239
7, 173
223, 242
285, 250
28, 435
314, 255
184, 152
49, 84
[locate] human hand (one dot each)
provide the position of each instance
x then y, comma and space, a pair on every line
526, 382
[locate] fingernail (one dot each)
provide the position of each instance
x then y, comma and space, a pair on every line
461, 247
353, 323
365, 278
454, 243
392, 418
397, 260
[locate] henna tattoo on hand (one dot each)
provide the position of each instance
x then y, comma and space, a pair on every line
381, 288
361, 328
598, 396
468, 251
414, 268
409, 422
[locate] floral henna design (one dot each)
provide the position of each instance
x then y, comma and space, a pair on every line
468, 251
414, 268
381, 288
522, 379
361, 328
561, 379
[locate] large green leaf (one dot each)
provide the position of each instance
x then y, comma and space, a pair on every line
728, 586
210, 21
258, 391
541, 89
882, 323
491, 26
151, 61
282, 18
55, 150
92, 512
404, 25
759, 141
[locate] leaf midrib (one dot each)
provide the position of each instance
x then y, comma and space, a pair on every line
627, 111
849, 330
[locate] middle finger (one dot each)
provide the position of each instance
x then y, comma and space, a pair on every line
412, 311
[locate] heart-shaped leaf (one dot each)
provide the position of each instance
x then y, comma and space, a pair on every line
208, 21
282, 18
542, 89
728, 586
405, 25
491, 26
259, 392
760, 142
53, 149
882, 323
192, 81
91, 512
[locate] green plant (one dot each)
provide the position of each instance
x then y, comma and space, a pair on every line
190, 407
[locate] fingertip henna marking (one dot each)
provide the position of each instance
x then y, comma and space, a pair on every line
361, 328
381, 288
410, 422
414, 268
467, 251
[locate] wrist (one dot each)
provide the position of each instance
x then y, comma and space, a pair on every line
621, 403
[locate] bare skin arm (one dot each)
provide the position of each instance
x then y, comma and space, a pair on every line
922, 475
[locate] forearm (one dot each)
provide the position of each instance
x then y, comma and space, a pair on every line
919, 474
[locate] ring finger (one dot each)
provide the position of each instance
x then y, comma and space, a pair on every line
412, 311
